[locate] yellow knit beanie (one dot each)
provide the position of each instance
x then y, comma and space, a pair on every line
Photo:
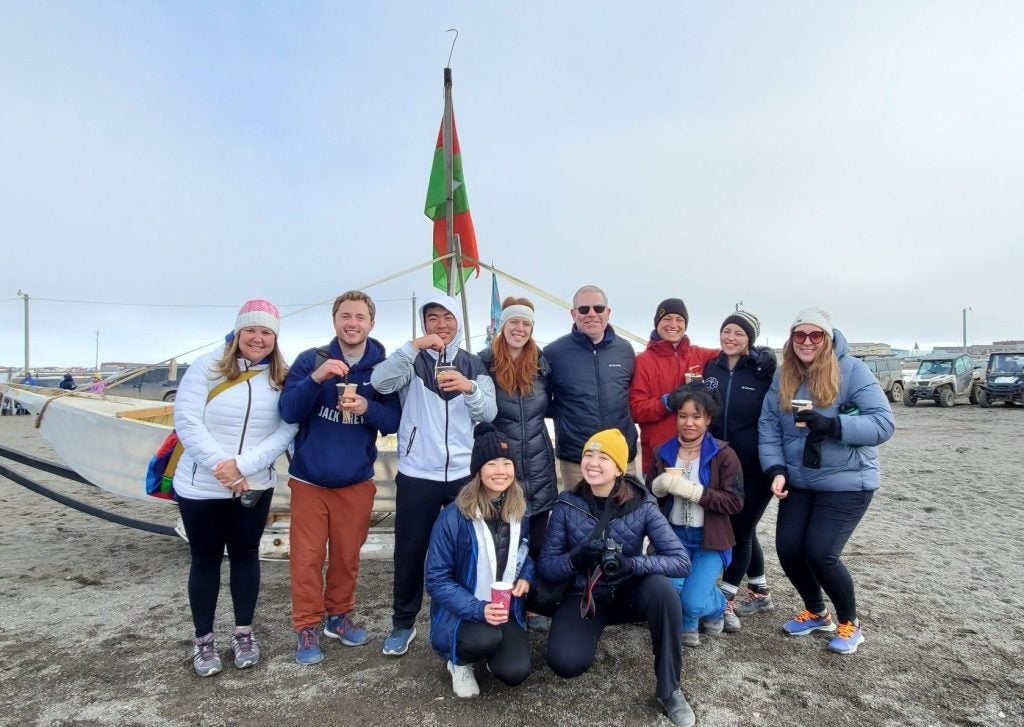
612, 443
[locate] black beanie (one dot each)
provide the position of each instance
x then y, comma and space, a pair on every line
488, 444
671, 305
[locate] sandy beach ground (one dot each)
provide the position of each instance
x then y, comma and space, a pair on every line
95, 628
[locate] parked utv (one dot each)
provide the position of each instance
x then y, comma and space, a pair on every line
943, 378
1004, 380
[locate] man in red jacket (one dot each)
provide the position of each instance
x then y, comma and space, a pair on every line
660, 370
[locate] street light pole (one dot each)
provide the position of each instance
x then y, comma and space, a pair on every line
97, 368
25, 296
738, 306
964, 310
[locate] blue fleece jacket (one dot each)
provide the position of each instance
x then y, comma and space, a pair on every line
328, 452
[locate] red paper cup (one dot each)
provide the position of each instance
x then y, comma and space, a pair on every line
501, 593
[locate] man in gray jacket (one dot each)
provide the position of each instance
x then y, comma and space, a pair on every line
444, 391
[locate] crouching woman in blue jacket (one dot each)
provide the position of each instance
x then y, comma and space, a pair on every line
478, 540
595, 542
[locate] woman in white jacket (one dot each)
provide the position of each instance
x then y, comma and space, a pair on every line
226, 416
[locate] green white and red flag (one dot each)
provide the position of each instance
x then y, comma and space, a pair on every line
435, 210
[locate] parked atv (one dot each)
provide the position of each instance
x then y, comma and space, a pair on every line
943, 378
1004, 380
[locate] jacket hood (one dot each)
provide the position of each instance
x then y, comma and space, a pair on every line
662, 347
372, 356
839, 341
452, 306
761, 358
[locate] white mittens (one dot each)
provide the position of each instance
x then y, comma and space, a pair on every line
666, 484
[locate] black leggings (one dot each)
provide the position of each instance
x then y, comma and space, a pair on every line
810, 534
505, 647
572, 641
747, 557
212, 526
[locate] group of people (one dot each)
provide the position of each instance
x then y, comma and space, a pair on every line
480, 523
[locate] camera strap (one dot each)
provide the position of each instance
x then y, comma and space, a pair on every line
587, 606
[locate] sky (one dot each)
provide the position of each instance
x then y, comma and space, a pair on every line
164, 162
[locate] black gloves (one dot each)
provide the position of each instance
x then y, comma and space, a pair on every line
622, 572
585, 554
819, 425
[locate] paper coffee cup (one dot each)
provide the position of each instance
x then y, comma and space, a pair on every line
801, 405
674, 471
501, 593
442, 371
346, 392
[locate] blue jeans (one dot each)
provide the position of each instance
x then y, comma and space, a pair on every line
699, 592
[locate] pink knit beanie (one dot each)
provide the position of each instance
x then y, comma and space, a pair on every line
258, 312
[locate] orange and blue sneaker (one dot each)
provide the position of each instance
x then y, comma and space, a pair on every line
806, 622
848, 637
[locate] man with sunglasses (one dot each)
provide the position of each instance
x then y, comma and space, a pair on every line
591, 367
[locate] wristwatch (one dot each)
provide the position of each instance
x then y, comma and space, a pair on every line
472, 388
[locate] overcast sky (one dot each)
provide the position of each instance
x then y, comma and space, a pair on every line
863, 157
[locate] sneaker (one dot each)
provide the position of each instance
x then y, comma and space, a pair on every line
247, 651
807, 621
308, 650
538, 623
712, 626
755, 602
690, 638
397, 642
848, 637
732, 621
463, 679
205, 661
678, 710
345, 630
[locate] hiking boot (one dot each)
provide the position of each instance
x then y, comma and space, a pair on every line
678, 710
713, 626
690, 638
345, 630
755, 602
397, 642
247, 651
205, 661
848, 637
308, 650
732, 621
538, 623
463, 679
807, 621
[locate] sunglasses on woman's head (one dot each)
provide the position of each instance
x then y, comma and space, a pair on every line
584, 309
815, 337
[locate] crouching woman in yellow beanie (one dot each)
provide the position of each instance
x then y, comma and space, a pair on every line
594, 543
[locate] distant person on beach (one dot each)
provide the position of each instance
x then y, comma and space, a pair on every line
823, 462
699, 483
661, 371
444, 391
739, 378
97, 385
591, 367
331, 472
521, 383
68, 383
30, 379
595, 542
227, 418
477, 541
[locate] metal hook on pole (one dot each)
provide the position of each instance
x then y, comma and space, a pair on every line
452, 50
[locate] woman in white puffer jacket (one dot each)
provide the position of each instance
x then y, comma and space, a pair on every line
226, 416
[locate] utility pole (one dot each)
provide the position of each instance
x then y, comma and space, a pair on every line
738, 306
97, 367
964, 310
25, 296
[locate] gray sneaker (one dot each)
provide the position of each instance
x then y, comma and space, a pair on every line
690, 638
205, 661
754, 603
247, 651
678, 710
732, 621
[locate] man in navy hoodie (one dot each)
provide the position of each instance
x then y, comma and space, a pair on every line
331, 473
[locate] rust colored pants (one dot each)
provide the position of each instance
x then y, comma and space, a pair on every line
327, 523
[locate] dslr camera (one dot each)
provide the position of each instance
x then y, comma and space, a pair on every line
609, 563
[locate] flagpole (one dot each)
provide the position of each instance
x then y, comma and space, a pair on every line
449, 180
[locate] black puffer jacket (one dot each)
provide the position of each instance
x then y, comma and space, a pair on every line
521, 419
740, 393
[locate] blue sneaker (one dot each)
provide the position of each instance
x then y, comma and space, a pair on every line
848, 637
308, 650
397, 642
345, 630
807, 621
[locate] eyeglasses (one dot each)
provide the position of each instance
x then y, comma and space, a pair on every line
584, 309
815, 337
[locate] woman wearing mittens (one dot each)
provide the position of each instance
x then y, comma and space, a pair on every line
824, 468
480, 539
698, 498
227, 420
595, 542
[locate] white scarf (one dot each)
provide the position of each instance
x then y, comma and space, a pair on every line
486, 567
